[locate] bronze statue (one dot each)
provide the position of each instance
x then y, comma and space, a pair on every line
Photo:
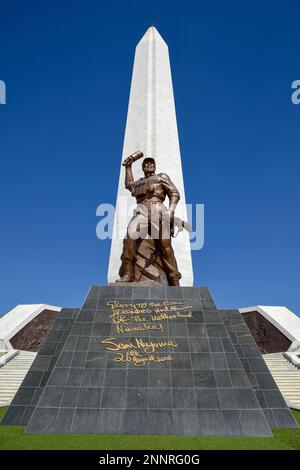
151, 221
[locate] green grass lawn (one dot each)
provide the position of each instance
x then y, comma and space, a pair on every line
13, 437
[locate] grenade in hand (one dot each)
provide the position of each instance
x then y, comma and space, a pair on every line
132, 158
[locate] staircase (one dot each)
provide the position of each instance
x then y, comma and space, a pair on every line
287, 377
12, 375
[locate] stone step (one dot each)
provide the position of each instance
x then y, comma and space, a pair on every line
289, 384
279, 363
10, 382
283, 372
15, 383
11, 379
16, 361
12, 375
15, 364
288, 394
290, 379
14, 380
11, 371
283, 366
11, 364
290, 387
273, 361
292, 368
283, 369
295, 383
287, 378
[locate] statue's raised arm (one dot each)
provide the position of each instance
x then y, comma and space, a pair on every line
128, 170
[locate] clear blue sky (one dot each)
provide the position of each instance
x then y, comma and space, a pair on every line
67, 66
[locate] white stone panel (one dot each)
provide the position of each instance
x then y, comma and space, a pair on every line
18, 317
281, 317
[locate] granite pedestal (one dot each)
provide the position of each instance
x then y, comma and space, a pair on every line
149, 360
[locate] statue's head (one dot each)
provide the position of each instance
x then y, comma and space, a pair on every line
148, 166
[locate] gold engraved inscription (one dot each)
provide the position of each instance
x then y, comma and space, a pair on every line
137, 359
143, 317
121, 329
138, 343
122, 314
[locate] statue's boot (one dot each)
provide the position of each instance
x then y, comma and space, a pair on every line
174, 282
126, 278
127, 270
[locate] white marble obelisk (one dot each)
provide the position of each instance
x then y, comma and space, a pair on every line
151, 127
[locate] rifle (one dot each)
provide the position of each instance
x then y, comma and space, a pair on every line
180, 225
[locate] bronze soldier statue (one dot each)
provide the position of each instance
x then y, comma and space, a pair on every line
151, 217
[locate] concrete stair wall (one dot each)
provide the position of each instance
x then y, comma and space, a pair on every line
12, 375
287, 377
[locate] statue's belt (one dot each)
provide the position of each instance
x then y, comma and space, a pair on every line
152, 200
